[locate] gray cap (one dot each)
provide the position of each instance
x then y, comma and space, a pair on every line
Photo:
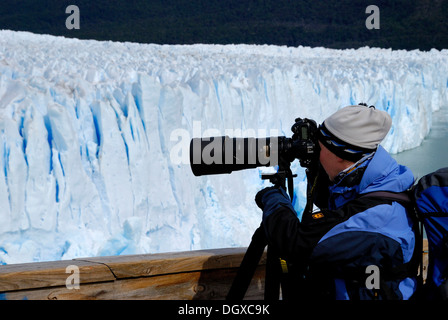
355, 128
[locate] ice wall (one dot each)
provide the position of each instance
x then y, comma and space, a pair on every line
93, 134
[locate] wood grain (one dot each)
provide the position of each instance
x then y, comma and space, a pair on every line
204, 274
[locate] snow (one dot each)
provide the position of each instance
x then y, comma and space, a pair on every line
94, 135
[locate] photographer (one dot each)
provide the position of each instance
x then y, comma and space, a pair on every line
329, 251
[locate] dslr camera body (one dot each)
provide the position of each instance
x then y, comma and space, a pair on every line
219, 155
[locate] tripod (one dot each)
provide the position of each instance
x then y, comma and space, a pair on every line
274, 279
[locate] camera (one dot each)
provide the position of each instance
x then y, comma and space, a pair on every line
219, 155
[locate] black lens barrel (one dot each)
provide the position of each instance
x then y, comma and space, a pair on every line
218, 155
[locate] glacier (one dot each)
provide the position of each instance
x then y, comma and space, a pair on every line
93, 135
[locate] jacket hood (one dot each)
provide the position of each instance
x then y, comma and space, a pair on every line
384, 174
381, 173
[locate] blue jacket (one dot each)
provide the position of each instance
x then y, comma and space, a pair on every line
337, 243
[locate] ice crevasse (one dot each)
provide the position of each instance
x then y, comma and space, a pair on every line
87, 130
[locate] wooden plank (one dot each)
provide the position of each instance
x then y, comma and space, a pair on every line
425, 260
200, 285
50, 274
180, 275
204, 274
132, 266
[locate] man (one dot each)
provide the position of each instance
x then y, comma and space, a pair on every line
330, 251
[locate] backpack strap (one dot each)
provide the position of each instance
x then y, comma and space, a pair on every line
403, 198
409, 269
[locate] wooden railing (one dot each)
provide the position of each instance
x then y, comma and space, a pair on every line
205, 274
202, 275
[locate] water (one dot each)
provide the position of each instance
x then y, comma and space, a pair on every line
432, 154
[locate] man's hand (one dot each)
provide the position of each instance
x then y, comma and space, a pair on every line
259, 196
269, 199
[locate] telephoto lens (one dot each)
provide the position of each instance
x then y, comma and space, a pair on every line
218, 155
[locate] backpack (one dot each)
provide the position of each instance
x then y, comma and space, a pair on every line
430, 197
427, 203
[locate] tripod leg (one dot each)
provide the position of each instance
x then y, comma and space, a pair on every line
248, 266
273, 277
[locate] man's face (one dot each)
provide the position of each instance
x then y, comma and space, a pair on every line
330, 162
